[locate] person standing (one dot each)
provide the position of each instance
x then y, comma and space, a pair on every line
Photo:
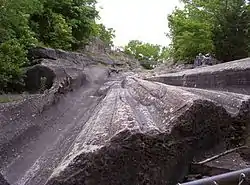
199, 59
207, 60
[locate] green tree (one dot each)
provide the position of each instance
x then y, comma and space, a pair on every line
12, 58
164, 54
64, 24
14, 16
231, 31
105, 34
215, 26
52, 30
143, 51
15, 39
148, 54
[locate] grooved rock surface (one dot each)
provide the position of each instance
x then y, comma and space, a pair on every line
233, 75
17, 118
149, 134
19, 124
115, 128
238, 105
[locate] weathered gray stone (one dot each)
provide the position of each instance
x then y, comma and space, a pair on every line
124, 131
55, 54
231, 74
237, 105
3, 181
62, 76
76, 58
34, 75
142, 132
230, 162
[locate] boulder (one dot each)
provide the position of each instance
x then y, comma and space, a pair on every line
96, 46
142, 133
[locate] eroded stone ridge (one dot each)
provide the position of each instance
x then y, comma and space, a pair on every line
63, 72
120, 129
142, 132
221, 76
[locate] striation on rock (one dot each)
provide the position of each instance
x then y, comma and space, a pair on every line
148, 135
231, 76
114, 128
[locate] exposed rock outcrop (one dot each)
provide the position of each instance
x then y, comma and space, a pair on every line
231, 75
55, 54
228, 85
34, 75
83, 59
63, 72
117, 128
3, 181
150, 134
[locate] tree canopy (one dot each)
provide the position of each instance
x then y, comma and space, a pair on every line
143, 50
105, 34
220, 27
63, 24
148, 54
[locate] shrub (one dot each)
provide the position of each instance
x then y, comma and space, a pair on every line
146, 64
12, 58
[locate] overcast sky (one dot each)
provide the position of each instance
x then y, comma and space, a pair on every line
144, 20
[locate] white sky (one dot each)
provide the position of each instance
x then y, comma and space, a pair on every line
144, 20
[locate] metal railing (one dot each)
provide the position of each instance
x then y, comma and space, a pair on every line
240, 177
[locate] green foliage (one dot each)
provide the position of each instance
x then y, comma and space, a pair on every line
232, 36
143, 51
215, 26
105, 34
64, 24
12, 58
147, 64
164, 54
14, 21
52, 30
148, 54
189, 36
